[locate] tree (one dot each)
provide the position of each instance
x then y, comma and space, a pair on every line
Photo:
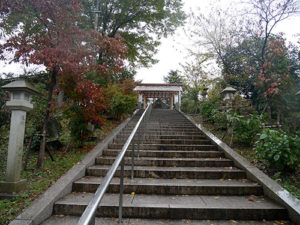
268, 86
140, 22
268, 14
242, 65
173, 77
196, 82
275, 76
47, 33
214, 30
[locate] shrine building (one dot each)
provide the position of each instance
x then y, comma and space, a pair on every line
171, 93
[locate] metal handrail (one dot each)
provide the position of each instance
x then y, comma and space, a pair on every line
88, 216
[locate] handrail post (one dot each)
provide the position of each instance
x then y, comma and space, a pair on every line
132, 161
139, 142
121, 191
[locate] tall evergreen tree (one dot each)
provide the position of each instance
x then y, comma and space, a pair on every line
173, 77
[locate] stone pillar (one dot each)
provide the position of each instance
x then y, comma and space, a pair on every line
175, 103
145, 101
179, 100
15, 146
140, 101
171, 102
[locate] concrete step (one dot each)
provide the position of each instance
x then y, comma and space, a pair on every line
168, 141
148, 127
172, 187
71, 220
169, 162
164, 132
158, 132
175, 207
198, 136
167, 154
172, 128
167, 147
172, 172
150, 137
167, 125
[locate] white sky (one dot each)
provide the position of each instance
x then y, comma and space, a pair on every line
173, 51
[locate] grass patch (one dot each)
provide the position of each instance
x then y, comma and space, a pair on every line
40, 180
289, 181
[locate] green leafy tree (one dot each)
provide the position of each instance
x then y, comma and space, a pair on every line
122, 99
140, 22
173, 77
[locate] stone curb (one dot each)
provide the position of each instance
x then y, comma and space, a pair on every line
271, 188
42, 207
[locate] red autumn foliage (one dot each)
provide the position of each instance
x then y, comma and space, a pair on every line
274, 75
49, 35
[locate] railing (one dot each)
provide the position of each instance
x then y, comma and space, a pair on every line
88, 216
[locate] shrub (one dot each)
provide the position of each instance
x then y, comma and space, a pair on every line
219, 118
279, 149
78, 125
4, 113
245, 128
189, 106
121, 100
208, 109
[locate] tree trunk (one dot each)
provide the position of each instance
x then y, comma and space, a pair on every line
278, 117
265, 108
270, 113
40, 162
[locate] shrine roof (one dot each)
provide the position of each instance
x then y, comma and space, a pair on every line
159, 87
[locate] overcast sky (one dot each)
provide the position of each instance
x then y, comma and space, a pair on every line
173, 51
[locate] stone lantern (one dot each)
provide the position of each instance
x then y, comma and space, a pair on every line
20, 93
228, 93
204, 92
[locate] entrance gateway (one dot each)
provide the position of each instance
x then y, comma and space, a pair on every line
171, 92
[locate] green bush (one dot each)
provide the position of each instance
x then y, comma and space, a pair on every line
219, 118
280, 149
189, 106
119, 103
78, 124
245, 128
4, 113
208, 109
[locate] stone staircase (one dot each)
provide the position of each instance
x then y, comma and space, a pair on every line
180, 178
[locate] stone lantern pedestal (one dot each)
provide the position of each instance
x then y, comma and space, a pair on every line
20, 97
228, 96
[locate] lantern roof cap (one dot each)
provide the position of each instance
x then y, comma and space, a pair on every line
229, 90
20, 85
